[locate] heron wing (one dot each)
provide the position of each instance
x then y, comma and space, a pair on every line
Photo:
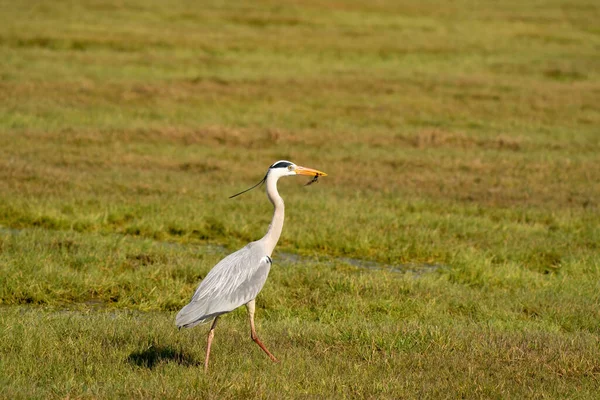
233, 282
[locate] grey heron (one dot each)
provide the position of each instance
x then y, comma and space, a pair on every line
238, 278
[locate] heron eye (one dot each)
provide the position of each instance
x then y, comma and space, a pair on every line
290, 167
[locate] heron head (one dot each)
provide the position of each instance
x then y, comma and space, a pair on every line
285, 168
288, 168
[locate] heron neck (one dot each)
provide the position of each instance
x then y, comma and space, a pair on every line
274, 231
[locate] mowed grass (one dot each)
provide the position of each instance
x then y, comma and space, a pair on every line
339, 331
462, 135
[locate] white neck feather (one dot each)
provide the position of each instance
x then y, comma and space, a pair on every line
274, 232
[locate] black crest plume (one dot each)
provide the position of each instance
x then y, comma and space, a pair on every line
247, 190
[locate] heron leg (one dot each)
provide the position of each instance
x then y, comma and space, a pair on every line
251, 308
211, 335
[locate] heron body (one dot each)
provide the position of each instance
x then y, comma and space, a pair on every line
238, 278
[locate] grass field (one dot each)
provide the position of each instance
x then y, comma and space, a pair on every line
462, 143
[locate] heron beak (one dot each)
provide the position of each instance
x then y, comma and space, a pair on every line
309, 171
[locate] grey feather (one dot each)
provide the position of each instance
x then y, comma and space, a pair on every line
233, 282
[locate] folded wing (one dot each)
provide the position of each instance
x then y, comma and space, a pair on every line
233, 282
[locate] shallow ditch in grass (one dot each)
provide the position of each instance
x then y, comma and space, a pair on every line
286, 258
417, 269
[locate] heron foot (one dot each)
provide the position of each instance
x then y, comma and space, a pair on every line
263, 347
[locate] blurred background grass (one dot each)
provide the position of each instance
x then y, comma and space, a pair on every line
463, 135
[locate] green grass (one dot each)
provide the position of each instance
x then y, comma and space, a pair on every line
463, 135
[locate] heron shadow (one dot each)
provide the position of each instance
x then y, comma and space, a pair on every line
155, 354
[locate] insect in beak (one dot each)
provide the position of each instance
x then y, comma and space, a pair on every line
313, 180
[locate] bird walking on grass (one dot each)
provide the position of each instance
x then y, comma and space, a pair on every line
238, 278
